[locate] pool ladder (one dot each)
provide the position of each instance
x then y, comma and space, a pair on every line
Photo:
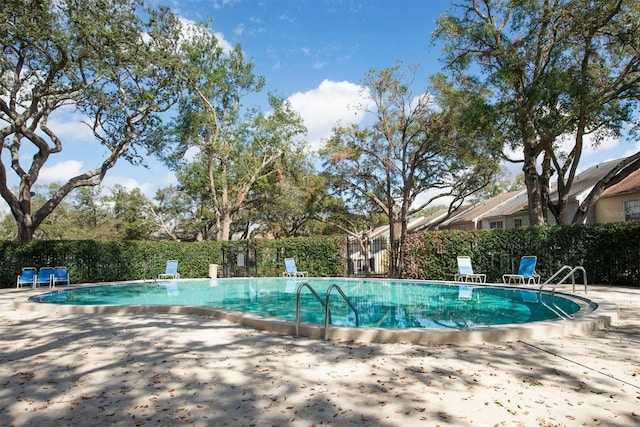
325, 304
571, 273
550, 281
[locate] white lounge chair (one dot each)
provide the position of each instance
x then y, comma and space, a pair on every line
291, 270
465, 271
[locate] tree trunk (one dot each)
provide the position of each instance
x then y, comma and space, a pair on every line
26, 229
401, 248
393, 246
532, 182
225, 232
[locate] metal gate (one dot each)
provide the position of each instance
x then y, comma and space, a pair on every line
368, 257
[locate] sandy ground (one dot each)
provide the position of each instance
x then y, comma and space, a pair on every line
163, 369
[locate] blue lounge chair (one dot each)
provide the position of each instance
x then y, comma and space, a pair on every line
26, 277
291, 270
60, 275
465, 271
170, 271
44, 277
526, 272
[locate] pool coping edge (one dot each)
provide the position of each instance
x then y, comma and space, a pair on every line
602, 317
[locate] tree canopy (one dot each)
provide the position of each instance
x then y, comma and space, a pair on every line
97, 57
558, 72
412, 153
233, 146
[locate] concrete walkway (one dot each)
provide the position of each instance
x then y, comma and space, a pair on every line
168, 369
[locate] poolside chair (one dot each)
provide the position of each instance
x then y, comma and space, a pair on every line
44, 277
60, 275
291, 270
170, 271
26, 277
465, 271
526, 272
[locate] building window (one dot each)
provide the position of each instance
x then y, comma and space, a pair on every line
496, 224
517, 222
632, 210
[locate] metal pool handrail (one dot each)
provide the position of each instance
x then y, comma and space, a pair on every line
326, 307
572, 270
571, 273
325, 304
298, 291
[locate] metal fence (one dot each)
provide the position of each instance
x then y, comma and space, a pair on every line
368, 257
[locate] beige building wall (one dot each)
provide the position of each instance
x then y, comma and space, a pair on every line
611, 209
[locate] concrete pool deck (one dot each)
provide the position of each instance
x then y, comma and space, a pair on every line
171, 369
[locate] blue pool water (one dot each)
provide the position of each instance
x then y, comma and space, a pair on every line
379, 303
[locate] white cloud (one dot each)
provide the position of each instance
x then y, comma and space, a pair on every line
590, 144
191, 153
189, 30
328, 104
71, 128
226, 46
217, 4
169, 179
60, 172
147, 188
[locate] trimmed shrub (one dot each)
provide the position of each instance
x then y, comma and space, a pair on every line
98, 261
609, 252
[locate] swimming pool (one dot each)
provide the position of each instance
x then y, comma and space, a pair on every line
375, 303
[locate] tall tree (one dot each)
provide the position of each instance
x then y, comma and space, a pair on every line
287, 203
96, 56
409, 156
559, 71
133, 219
91, 215
235, 145
176, 214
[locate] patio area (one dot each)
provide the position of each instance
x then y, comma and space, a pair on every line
162, 369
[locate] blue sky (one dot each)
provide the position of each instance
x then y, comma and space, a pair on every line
314, 52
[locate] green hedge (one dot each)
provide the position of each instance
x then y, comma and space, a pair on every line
609, 253
98, 261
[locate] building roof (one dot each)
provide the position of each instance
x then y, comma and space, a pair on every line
518, 203
413, 224
515, 202
631, 184
585, 180
482, 209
